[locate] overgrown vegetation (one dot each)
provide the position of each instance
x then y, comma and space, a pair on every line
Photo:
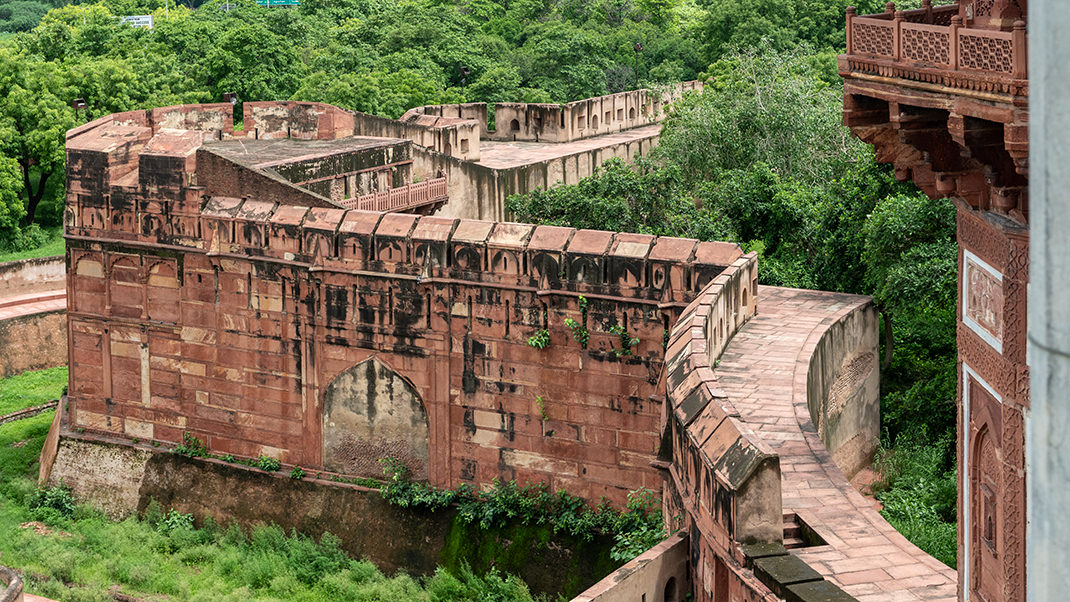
85, 556
919, 495
75, 554
761, 158
635, 529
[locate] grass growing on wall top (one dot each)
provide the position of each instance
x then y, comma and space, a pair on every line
30, 389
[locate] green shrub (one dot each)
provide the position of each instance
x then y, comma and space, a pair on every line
540, 339
48, 503
920, 496
191, 447
636, 529
268, 463
297, 473
174, 520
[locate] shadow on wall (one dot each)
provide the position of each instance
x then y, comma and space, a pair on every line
371, 412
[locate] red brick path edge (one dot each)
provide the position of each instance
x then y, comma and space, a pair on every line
33, 303
764, 372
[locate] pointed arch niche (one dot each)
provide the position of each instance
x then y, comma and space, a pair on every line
372, 412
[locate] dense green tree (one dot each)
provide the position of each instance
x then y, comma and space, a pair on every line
643, 198
760, 107
254, 63
11, 209
34, 120
21, 15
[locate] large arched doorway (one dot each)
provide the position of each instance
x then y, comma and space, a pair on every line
371, 412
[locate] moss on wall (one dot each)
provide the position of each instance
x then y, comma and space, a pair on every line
548, 563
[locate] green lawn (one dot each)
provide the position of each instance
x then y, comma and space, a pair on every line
31, 389
83, 556
54, 246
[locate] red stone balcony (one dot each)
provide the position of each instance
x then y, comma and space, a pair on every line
404, 198
933, 46
943, 94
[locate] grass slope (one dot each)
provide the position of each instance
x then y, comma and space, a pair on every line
31, 389
86, 557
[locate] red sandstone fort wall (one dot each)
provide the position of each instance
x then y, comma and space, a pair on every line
237, 329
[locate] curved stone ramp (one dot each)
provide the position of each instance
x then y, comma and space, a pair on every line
764, 371
32, 303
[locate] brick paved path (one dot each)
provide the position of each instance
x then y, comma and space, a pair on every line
763, 371
33, 303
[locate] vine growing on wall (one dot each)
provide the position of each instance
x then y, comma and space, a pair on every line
540, 339
627, 341
635, 529
579, 329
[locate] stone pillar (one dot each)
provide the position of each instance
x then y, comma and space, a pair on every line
1048, 420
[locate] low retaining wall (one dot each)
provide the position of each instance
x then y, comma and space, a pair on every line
33, 342
121, 480
28, 412
31, 275
843, 389
658, 575
12, 585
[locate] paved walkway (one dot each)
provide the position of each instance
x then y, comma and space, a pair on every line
765, 377
503, 155
33, 303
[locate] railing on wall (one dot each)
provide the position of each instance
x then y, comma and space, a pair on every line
402, 198
932, 45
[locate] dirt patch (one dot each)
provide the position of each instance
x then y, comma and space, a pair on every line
43, 529
20, 443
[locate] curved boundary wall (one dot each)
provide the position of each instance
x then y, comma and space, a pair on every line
721, 477
35, 275
843, 390
33, 327
12, 585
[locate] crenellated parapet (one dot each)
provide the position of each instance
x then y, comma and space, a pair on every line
225, 289
549, 122
721, 474
664, 270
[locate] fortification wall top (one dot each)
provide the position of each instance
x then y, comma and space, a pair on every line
543, 122
728, 477
666, 270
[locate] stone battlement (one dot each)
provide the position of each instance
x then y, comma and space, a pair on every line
219, 287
